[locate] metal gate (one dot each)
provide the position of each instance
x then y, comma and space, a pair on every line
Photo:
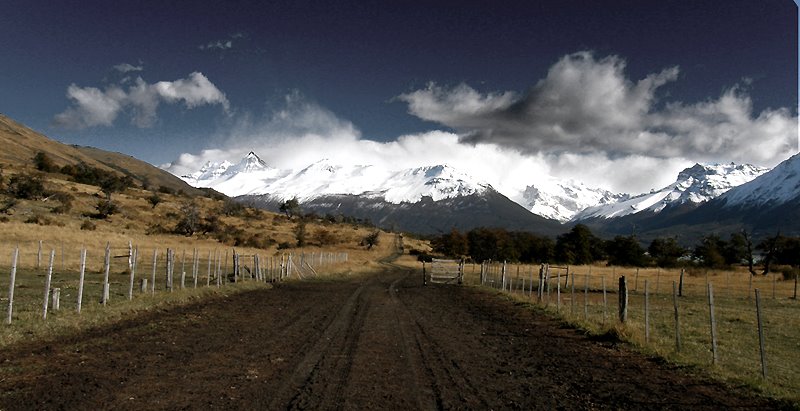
445, 271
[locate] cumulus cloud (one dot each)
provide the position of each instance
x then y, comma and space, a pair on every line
217, 45
588, 105
586, 121
94, 107
126, 67
302, 132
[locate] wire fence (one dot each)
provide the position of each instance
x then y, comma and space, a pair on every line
45, 277
747, 326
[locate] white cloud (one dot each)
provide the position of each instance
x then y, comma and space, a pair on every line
584, 121
217, 45
94, 107
126, 67
588, 105
302, 132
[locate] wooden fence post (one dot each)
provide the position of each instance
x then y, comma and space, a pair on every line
586, 297
56, 299
105, 274
153, 278
680, 284
39, 256
133, 273
646, 313
208, 276
81, 280
47, 280
623, 300
11, 285
713, 323
143, 285
761, 336
558, 293
677, 317
572, 291
605, 301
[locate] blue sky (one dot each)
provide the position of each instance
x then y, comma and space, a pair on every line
672, 80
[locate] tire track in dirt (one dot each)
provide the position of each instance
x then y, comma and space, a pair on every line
425, 398
444, 375
296, 390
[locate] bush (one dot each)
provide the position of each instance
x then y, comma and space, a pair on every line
66, 202
38, 219
324, 237
165, 190
371, 239
43, 162
88, 225
789, 272
154, 199
232, 208
26, 187
104, 209
284, 245
155, 229
6, 208
190, 220
4, 219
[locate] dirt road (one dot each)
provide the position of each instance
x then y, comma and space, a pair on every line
378, 341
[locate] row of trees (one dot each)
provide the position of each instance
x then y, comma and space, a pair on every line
581, 246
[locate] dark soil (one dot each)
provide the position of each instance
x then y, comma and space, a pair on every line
379, 341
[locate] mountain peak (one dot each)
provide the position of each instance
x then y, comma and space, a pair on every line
695, 185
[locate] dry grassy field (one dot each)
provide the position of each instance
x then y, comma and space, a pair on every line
580, 300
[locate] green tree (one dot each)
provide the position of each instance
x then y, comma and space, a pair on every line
666, 251
709, 252
625, 251
579, 246
26, 187
453, 244
290, 207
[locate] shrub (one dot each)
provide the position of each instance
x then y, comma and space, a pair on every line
155, 229
105, 208
190, 220
154, 199
165, 190
66, 202
283, 245
26, 187
371, 239
4, 219
6, 208
88, 225
300, 234
43, 162
232, 208
38, 219
324, 237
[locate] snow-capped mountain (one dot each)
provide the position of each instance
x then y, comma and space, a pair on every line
251, 176
694, 185
562, 200
779, 186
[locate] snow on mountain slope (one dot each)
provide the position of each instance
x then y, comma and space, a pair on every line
779, 186
253, 176
561, 200
695, 185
